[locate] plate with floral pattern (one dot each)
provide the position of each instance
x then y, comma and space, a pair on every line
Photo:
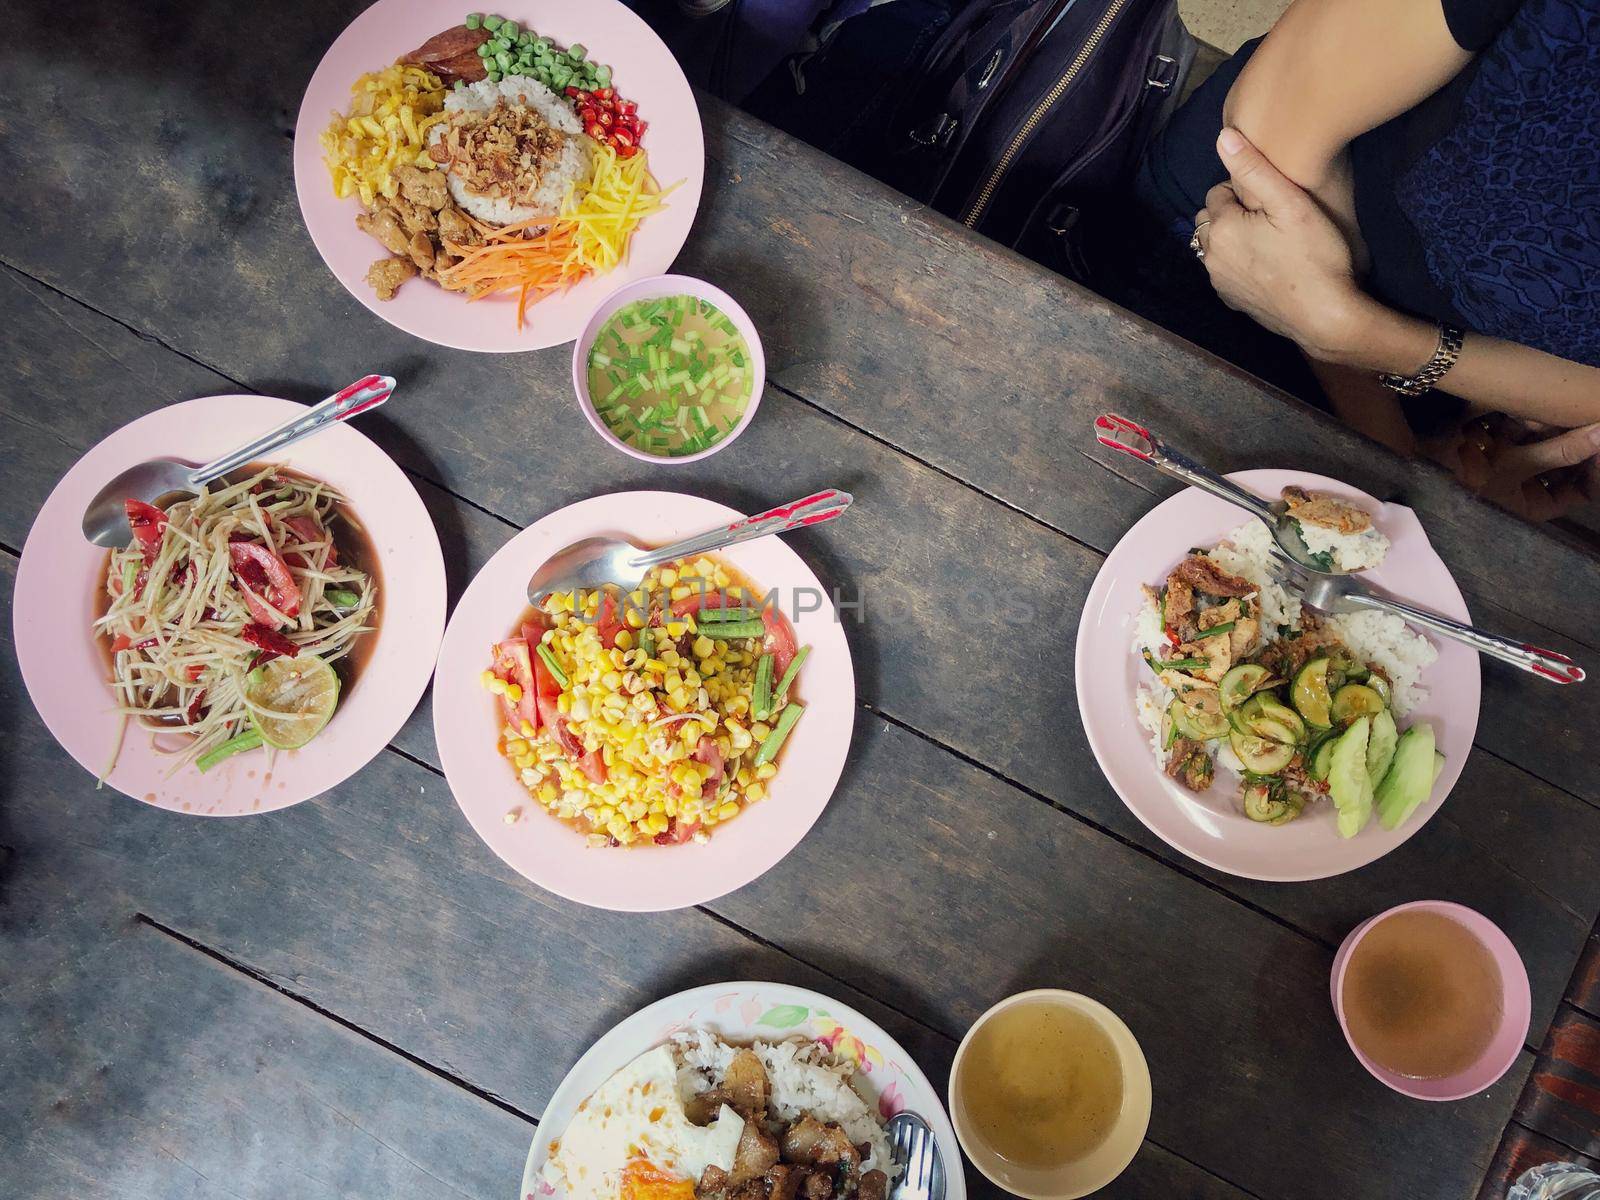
745, 1012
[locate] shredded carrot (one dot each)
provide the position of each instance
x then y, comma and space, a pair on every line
590, 236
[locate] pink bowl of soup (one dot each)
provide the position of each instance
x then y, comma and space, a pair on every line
1433, 999
712, 332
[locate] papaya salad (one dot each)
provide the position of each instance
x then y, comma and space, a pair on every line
1298, 706
653, 716
491, 160
231, 617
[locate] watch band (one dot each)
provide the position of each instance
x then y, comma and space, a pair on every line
1444, 357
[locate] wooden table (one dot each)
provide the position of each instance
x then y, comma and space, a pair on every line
354, 997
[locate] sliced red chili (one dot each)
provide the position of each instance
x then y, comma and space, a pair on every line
192, 713
148, 523
269, 640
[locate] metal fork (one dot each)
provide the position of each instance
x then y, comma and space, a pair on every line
1346, 594
916, 1153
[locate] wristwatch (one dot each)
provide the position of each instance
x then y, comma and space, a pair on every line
1444, 357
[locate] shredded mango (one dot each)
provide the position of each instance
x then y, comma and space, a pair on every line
386, 127
604, 212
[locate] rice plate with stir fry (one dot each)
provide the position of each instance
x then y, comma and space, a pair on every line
653, 716
1299, 705
226, 613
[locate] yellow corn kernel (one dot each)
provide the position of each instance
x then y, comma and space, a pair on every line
548, 793
677, 628
611, 681
669, 577
766, 770
527, 729
760, 731
682, 592
657, 822
564, 703
738, 706
745, 777
633, 619
728, 809
497, 686
720, 578
703, 646
513, 692
487, 678
755, 792
516, 746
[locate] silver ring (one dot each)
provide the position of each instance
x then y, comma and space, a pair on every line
1194, 240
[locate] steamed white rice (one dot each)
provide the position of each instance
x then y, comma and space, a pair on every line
572, 167
1347, 551
804, 1077
1380, 638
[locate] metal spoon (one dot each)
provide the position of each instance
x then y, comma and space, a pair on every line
105, 521
594, 562
1119, 433
1327, 591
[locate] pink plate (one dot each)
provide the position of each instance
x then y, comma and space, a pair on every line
66, 672
639, 878
644, 71
1210, 828
741, 1013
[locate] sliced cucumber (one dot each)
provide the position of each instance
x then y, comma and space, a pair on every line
1380, 685
1242, 682
1273, 731
1310, 692
1355, 700
1322, 758
1259, 755
1267, 804
1349, 785
1410, 777
1273, 710
1380, 745
1438, 765
1193, 721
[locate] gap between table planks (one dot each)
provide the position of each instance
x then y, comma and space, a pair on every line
485, 531
1503, 835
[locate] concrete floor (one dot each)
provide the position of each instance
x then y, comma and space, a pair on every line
1224, 24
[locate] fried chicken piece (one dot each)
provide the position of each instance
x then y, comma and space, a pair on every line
427, 188
1203, 575
1177, 609
421, 250
713, 1184
414, 218
456, 229
818, 1185
383, 224
1330, 512
387, 274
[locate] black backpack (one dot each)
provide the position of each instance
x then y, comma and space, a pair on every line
1024, 119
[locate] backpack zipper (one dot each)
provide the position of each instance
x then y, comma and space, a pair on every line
1037, 115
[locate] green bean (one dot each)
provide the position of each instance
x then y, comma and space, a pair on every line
473, 20
494, 75
484, 50
492, 22
577, 51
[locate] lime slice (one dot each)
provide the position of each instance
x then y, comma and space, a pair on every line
291, 699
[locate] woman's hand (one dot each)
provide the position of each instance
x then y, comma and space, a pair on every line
1275, 255
1529, 468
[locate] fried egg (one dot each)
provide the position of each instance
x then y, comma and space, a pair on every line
632, 1140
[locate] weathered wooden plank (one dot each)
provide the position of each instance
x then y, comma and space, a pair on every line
137, 1067
1517, 848
1562, 1098
378, 903
1522, 1148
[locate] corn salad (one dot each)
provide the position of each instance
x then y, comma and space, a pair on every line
658, 737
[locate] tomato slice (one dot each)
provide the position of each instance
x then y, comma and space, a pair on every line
254, 564
607, 624
514, 664
708, 752
593, 765
548, 690
307, 529
779, 641
677, 833
707, 599
148, 523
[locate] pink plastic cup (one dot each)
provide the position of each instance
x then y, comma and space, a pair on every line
1516, 1007
649, 289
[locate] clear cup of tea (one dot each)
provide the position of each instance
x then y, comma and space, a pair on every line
1050, 1095
1433, 999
